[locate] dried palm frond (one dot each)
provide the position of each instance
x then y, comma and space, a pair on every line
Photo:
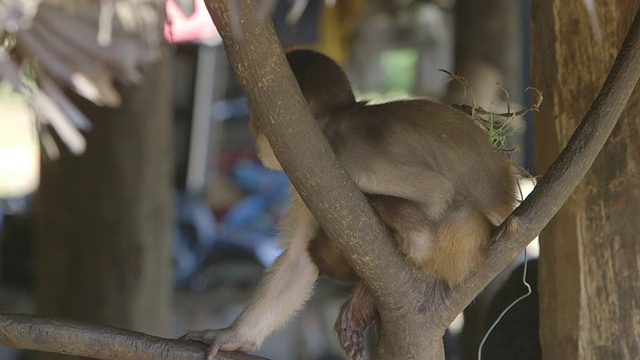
84, 45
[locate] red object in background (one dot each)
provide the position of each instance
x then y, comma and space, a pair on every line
196, 27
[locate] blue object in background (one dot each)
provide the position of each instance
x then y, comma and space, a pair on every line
249, 226
194, 236
251, 223
268, 193
253, 177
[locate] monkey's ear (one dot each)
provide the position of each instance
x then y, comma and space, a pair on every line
322, 81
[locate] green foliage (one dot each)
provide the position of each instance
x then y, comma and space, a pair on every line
28, 67
8, 42
498, 132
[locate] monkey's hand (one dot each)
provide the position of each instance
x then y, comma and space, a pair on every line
355, 317
228, 339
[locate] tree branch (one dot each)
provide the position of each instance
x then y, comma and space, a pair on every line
298, 143
97, 341
307, 159
564, 174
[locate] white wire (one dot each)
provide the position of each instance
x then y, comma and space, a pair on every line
524, 281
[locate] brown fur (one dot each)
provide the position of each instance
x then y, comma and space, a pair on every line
330, 262
427, 170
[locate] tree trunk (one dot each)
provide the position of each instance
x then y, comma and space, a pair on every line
104, 218
589, 261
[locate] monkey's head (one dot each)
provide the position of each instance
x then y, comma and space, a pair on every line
325, 87
322, 81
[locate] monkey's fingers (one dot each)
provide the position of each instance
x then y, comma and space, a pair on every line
223, 339
207, 337
352, 343
212, 351
355, 317
350, 333
357, 340
202, 336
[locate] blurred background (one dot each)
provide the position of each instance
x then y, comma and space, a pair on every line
130, 191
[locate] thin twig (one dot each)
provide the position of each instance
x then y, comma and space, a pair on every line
471, 110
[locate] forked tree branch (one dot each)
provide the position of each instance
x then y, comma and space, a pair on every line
305, 155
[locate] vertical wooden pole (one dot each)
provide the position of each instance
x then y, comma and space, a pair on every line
590, 252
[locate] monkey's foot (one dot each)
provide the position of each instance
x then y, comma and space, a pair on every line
355, 317
224, 339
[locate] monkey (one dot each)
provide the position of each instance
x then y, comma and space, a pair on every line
427, 170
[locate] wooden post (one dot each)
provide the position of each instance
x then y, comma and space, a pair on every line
590, 253
104, 218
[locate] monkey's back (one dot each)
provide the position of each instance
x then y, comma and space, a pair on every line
427, 136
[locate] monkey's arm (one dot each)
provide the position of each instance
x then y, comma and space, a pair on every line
283, 291
411, 183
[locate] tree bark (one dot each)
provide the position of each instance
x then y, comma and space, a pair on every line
104, 218
98, 341
589, 262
